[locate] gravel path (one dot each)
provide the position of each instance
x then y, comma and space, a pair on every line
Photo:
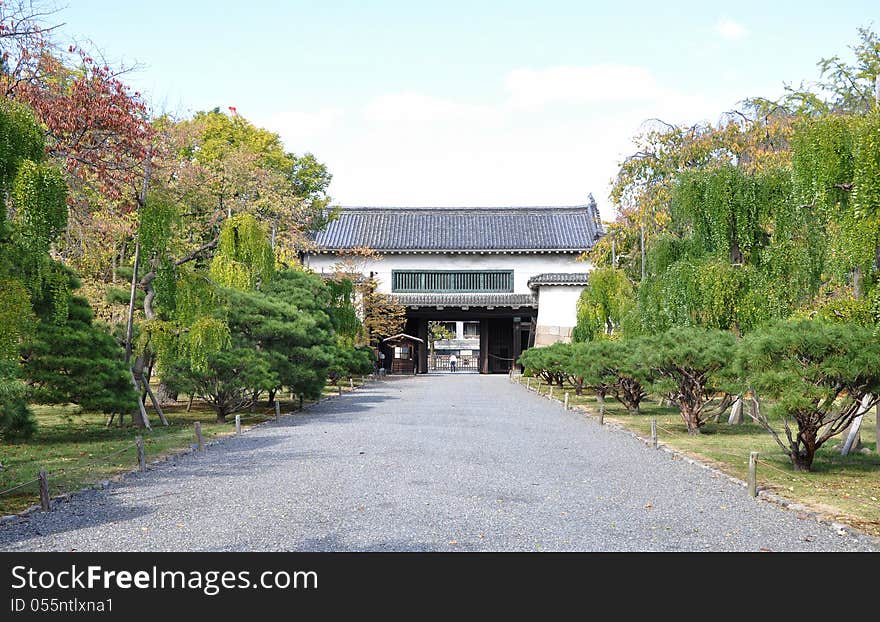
444, 463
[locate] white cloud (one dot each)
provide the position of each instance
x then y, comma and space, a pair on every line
296, 126
728, 29
550, 137
417, 108
532, 88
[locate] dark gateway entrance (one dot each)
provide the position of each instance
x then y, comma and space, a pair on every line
507, 323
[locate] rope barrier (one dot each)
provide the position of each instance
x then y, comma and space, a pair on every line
775, 468
735, 455
8, 490
91, 462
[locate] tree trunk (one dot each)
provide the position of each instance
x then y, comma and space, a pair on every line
129, 324
802, 460
691, 418
272, 394
165, 394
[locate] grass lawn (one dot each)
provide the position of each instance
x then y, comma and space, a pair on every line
70, 445
846, 488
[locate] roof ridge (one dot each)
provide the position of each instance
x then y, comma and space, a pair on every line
467, 208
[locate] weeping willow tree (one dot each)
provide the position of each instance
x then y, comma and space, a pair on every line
737, 255
603, 305
191, 327
244, 256
836, 174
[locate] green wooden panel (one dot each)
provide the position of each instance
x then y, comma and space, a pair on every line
452, 281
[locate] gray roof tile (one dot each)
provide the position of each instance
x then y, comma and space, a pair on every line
434, 229
559, 278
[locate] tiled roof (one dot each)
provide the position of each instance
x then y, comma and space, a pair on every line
466, 300
559, 278
438, 229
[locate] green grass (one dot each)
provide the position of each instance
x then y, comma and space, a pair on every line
845, 488
69, 445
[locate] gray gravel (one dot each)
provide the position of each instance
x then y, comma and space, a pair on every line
443, 463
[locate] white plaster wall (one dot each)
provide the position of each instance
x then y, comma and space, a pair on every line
524, 266
557, 305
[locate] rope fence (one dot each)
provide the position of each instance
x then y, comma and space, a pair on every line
753, 458
14, 488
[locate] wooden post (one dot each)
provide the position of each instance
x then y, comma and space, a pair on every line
566, 400
142, 459
528, 384
339, 388
753, 474
601, 409
277, 411
736, 412
300, 401
351, 383
238, 424
44, 491
550, 395
654, 432
200, 442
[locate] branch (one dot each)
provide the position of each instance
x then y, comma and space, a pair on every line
198, 252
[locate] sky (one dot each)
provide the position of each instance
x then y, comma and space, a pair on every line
465, 103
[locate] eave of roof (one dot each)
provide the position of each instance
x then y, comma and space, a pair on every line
559, 278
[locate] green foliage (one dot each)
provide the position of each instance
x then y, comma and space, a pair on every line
16, 418
843, 307
836, 170
822, 160
603, 304
229, 382
244, 256
817, 373
723, 210
348, 362
551, 362
39, 194
21, 140
16, 318
610, 368
78, 362
708, 292
280, 336
157, 220
691, 366
342, 311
